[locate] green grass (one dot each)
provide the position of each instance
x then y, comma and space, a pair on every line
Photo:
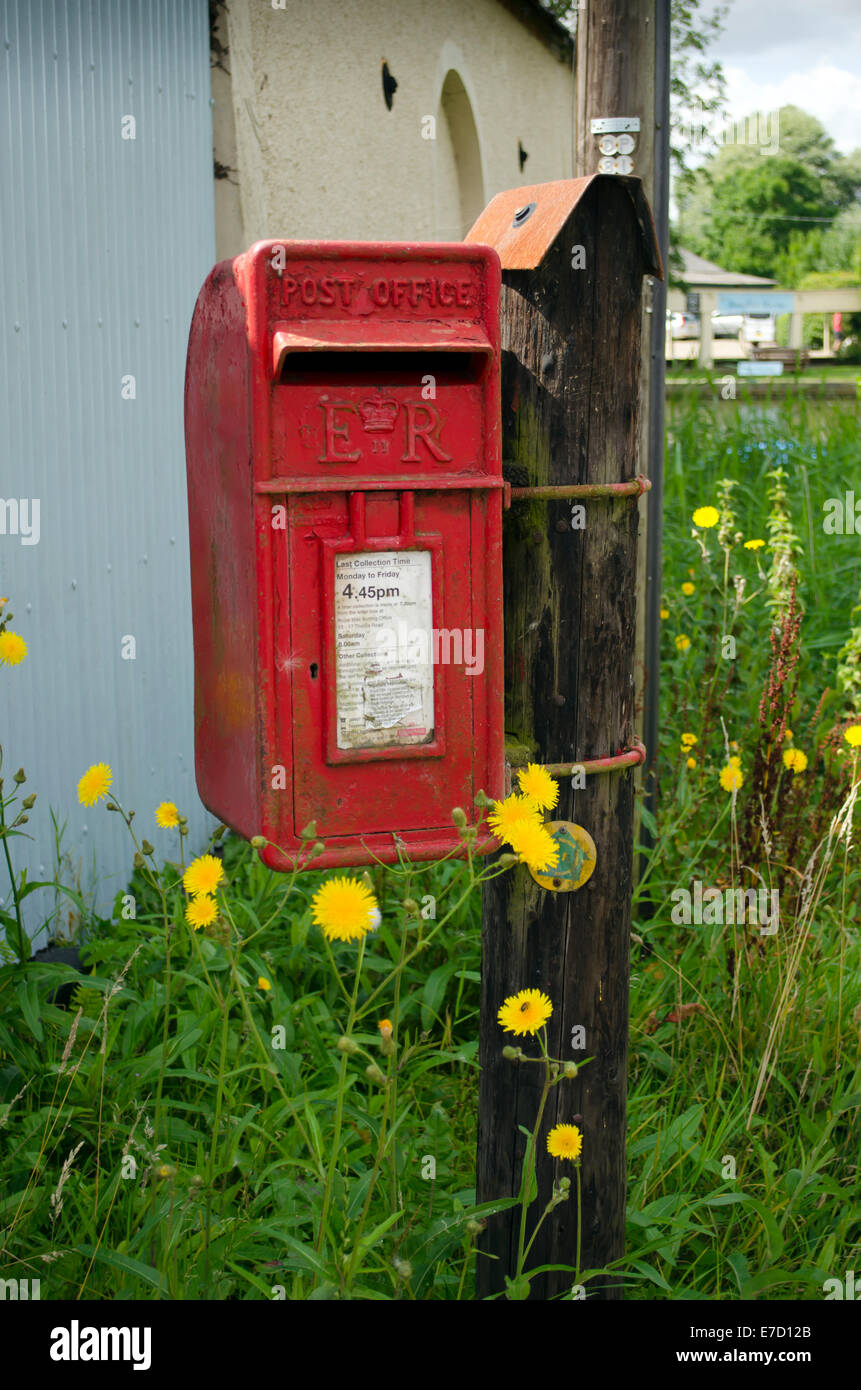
209, 1155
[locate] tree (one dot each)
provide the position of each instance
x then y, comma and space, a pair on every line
765, 209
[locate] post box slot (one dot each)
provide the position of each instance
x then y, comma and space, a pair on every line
364, 368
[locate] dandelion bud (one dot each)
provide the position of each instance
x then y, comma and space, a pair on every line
310, 831
27, 803
458, 815
410, 905
217, 834
22, 820
507, 861
373, 1073
469, 835
388, 1046
318, 847
112, 806
346, 1044
403, 1269
511, 1054
570, 1070
257, 841
196, 1181
166, 1170
564, 1184
475, 1228
146, 847
482, 799
20, 776
139, 861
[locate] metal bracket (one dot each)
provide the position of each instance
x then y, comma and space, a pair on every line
631, 757
635, 488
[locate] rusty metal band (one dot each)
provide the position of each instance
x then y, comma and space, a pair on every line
631, 757
634, 488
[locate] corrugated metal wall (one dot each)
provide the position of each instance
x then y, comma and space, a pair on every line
104, 243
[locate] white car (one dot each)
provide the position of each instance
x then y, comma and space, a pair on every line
684, 325
759, 328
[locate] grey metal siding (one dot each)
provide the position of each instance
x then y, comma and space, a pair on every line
104, 243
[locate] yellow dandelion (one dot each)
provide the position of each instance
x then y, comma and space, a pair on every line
795, 760
706, 517
345, 909
853, 736
731, 777
525, 1012
682, 642
735, 761
95, 784
733, 745
166, 815
688, 740
511, 812
665, 613
537, 784
691, 763
788, 736
688, 588
13, 649
534, 845
385, 1027
754, 545
565, 1141
262, 982
201, 911
203, 875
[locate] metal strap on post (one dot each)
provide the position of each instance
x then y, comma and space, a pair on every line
634, 488
634, 754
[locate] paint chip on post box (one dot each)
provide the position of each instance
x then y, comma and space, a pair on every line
346, 545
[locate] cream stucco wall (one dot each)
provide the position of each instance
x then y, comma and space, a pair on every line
302, 120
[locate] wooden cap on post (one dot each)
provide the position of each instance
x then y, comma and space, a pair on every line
522, 224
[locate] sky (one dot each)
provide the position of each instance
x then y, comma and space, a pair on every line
801, 52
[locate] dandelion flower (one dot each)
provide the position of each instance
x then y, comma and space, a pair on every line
691, 763
536, 783
731, 777
511, 812
95, 784
688, 740
795, 760
754, 545
853, 735
706, 517
682, 642
13, 648
262, 982
345, 909
665, 613
735, 761
788, 736
565, 1141
688, 588
203, 875
201, 911
166, 815
534, 845
385, 1027
525, 1012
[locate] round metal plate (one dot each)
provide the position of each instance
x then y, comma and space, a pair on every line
577, 858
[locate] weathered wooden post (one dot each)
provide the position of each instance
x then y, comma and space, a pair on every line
574, 254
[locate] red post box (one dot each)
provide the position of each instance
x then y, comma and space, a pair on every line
342, 426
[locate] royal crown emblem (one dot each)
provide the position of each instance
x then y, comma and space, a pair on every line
378, 416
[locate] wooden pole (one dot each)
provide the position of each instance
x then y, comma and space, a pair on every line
622, 69
571, 325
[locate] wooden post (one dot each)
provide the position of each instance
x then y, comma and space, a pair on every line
571, 320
